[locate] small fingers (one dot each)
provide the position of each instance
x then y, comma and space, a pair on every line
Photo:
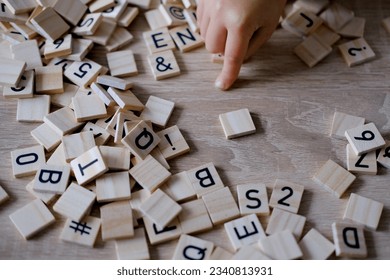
216, 37
258, 39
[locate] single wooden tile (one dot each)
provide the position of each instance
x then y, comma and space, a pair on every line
33, 109
135, 248
302, 22
286, 196
122, 63
386, 23
128, 16
80, 48
179, 187
311, 51
191, 18
354, 28
334, 178
158, 111
173, 143
143, 4
103, 34
349, 240
325, 35
356, 52
192, 248
88, 166
60, 47
62, 121
186, 39
164, 65
221, 205
155, 19
312, 6
336, 16
117, 220
343, 122
11, 71
3, 195
81, 232
88, 24
120, 131
113, 187
315, 246
116, 158
100, 135
364, 211
52, 178
72, 11
50, 24
119, 39
114, 82
25, 88
101, 5
26, 161
194, 217
244, 231
173, 14
237, 123
47, 198
103, 94
253, 199
126, 99
75, 202
115, 12
363, 164
19, 7
89, 107
159, 235
281, 246
282, 220
365, 138
49, 80
28, 52
83, 73
76, 144
32, 218
384, 156
7, 15
158, 40
249, 252
205, 179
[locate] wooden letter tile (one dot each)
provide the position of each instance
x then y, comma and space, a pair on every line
3, 195
155, 19
116, 158
186, 39
88, 25
253, 199
83, 73
135, 248
27, 51
363, 164
302, 22
365, 138
205, 179
128, 16
11, 71
114, 82
25, 88
173, 14
164, 65
349, 240
20, 7
158, 40
311, 51
27, 161
158, 111
315, 246
192, 248
172, 143
117, 220
33, 109
122, 63
281, 246
159, 235
179, 187
126, 99
356, 52
62, 121
50, 24
81, 232
282, 220
51, 178
343, 122
113, 187
72, 11
286, 196
88, 107
101, 5
60, 47
49, 80
384, 156
137, 198
76, 144
237, 123
194, 217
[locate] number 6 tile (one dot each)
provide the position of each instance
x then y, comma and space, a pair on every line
365, 138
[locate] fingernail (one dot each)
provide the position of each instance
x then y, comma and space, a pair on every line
220, 84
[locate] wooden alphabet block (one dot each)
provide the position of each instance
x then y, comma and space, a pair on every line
194, 217
122, 63
128, 16
51, 178
325, 35
365, 138
349, 240
83, 73
7, 15
253, 199
27, 51
103, 94
356, 52
20, 7
205, 179
286, 196
311, 51
103, 34
101, 5
334, 178
81, 232
58, 157
249, 252
75, 202
363, 164
336, 16
302, 22
64, 63
117, 220
100, 134
343, 122
46, 136
179, 187
113, 187
354, 28
115, 12
159, 235
155, 19
282, 220
173, 143
312, 6
114, 82
80, 48
49, 80
119, 39
72, 11
363, 211
75, 145
190, 16
164, 65
26, 161
158, 111
221, 205
143, 4
3, 195
50, 24
158, 40
173, 14
88, 107
11, 71
88, 166
186, 39
281, 246
135, 248
24, 89
60, 47
192, 248
137, 198
62, 121
32, 218
384, 156
315, 246
244, 231
126, 99
33, 109
237, 123
116, 158
386, 24
88, 24
150, 174
220, 253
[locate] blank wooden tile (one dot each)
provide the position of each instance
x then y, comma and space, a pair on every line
3, 195
253, 199
281, 246
28, 52
237, 123
103, 94
325, 35
119, 39
315, 246
194, 217
364, 211
24, 89
49, 80
62, 121
72, 11
159, 235
137, 198
88, 107
50, 24
158, 40
179, 187
60, 47
173, 14
113, 187
158, 111
143, 4
141, 140
76, 144
343, 122
302, 22
117, 220
26, 161
80, 48
186, 39
282, 220
83, 73
356, 52
116, 158
134, 248
220, 253
122, 63
11, 71
126, 99
164, 65
114, 82
101, 5
155, 19
88, 166
52, 178
205, 179
349, 240
386, 23
88, 24
33, 109
336, 16
363, 164
334, 178
312, 6
286, 196
103, 34
192, 248
75, 202
173, 143
365, 138
354, 28
19, 7
244, 231
384, 156
249, 252
81, 232
311, 51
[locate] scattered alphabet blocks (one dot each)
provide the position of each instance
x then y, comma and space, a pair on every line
363, 164
158, 111
356, 52
343, 122
126, 99
88, 24
172, 143
336, 16
194, 217
122, 63
24, 89
117, 220
33, 109
72, 11
311, 51
315, 246
158, 40
52, 178
205, 179
135, 248
237, 123
113, 187
365, 138
119, 39
50, 24
27, 161
28, 52
253, 199
286, 196
173, 14
100, 134
192, 248
81, 232
76, 144
49, 80
349, 240
3, 195
179, 187
281, 246
11, 71
88, 107
62, 121
80, 48
186, 39
60, 47
159, 235
282, 220
164, 65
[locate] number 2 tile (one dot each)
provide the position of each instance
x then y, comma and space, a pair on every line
286, 196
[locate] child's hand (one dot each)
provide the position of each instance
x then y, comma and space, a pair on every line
236, 28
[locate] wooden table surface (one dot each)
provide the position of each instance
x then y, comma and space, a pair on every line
292, 107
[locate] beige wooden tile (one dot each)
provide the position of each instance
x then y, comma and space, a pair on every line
117, 220
88, 24
244, 231
253, 199
24, 89
72, 11
363, 164
26, 161
336, 16
158, 111
192, 248
51, 178
312, 6
103, 34
103, 94
11, 71
119, 39
173, 14
49, 80
325, 35
80, 48
19, 7
164, 65
334, 178
101, 5
128, 16
343, 122
354, 28
159, 235
220, 253
63, 62
76, 144
249, 252
143, 4
179, 187
315, 246
384, 156
50, 24
75, 202
46, 136
364, 211
100, 135
349, 240
88, 166
137, 198
62, 121
190, 16
194, 217
365, 138
302, 22
126, 99
135, 248
28, 52
33, 109
8, 16
205, 179
173, 143
47, 198
282, 220
237, 123
60, 47
83, 73
186, 39
286, 196
58, 157
311, 51
116, 158
122, 63
88, 107
113, 187
221, 205
114, 82
158, 40
115, 12
356, 52
281, 246
386, 24
3, 195
81, 232
32, 218
155, 19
